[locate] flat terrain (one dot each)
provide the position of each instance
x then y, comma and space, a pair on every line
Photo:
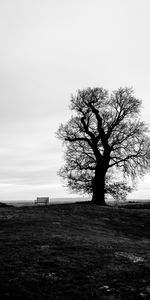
73, 252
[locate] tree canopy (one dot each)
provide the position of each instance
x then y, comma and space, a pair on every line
105, 140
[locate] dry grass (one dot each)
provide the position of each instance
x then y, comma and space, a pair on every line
74, 251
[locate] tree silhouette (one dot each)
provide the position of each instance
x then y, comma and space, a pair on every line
104, 137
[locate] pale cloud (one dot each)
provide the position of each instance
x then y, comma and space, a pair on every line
30, 192
49, 49
30, 156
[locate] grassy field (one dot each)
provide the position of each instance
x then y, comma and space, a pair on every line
73, 252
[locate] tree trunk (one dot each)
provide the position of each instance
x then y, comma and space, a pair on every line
99, 188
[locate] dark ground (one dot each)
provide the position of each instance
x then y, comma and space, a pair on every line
73, 252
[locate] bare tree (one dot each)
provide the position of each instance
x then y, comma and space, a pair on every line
104, 137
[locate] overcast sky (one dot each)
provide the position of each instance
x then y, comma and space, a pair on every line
49, 49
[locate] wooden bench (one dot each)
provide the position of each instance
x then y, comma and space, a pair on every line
42, 200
